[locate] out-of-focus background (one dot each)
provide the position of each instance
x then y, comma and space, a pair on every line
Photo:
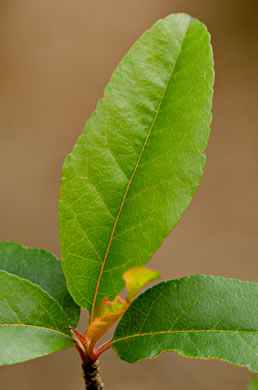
56, 56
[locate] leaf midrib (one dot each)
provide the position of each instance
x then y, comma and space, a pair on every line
36, 327
132, 176
184, 331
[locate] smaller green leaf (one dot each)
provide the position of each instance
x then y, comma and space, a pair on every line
136, 278
201, 317
253, 384
41, 268
32, 323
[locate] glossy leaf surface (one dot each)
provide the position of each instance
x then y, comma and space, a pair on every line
199, 316
41, 268
32, 323
138, 163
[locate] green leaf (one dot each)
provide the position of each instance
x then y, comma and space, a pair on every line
134, 170
41, 268
136, 278
202, 317
32, 323
253, 384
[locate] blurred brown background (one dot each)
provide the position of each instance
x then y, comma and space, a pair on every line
55, 58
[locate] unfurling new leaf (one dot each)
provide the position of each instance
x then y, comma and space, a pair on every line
136, 278
108, 313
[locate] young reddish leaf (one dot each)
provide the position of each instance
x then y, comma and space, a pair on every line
136, 278
109, 312
82, 344
106, 315
105, 306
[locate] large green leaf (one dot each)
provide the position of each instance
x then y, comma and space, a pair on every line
134, 170
199, 316
41, 268
32, 323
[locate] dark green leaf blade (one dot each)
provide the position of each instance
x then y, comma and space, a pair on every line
134, 170
200, 317
30, 319
41, 268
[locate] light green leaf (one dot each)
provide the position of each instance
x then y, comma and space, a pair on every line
136, 278
106, 306
202, 317
41, 268
253, 384
32, 323
138, 163
22, 343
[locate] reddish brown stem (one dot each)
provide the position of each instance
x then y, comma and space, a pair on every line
89, 356
91, 375
102, 348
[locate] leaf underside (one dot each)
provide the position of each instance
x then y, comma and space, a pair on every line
134, 170
202, 317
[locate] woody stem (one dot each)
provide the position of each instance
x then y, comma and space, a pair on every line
91, 375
